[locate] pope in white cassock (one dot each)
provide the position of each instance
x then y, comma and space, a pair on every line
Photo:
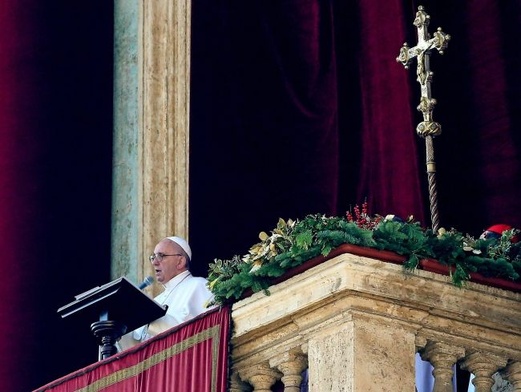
185, 295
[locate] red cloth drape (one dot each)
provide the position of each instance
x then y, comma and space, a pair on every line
495, 84
20, 188
265, 139
55, 180
300, 107
389, 170
190, 357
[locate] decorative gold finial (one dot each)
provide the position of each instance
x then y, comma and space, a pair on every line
427, 128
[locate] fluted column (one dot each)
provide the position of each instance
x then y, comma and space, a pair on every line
483, 366
261, 377
291, 364
513, 375
442, 357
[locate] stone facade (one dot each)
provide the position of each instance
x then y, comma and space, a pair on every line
357, 324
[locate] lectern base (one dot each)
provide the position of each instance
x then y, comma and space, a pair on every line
108, 333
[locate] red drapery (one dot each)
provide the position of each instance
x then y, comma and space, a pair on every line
300, 107
55, 180
190, 357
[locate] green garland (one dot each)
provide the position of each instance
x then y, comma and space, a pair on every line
292, 243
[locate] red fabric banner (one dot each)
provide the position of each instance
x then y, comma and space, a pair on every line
190, 357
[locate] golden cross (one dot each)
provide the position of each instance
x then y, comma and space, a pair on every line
427, 128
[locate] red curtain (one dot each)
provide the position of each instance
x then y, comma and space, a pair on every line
20, 188
388, 167
300, 107
55, 180
190, 357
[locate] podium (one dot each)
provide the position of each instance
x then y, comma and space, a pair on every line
112, 310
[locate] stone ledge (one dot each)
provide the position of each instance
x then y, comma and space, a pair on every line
335, 290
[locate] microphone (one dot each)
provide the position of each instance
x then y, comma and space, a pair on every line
146, 282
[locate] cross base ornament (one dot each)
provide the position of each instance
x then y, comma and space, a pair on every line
428, 128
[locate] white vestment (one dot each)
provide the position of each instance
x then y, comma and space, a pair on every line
185, 296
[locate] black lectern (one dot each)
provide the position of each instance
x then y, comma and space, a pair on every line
112, 310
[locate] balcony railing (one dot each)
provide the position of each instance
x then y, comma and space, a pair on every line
356, 323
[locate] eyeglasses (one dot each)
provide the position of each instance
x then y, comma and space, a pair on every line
159, 256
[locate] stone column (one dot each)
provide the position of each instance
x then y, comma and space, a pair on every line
165, 98
368, 353
126, 222
483, 366
291, 364
261, 376
442, 357
151, 129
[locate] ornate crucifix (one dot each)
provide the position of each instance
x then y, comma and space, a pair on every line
427, 129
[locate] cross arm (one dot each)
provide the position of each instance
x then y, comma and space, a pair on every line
439, 41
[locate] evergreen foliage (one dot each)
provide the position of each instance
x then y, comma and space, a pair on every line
292, 243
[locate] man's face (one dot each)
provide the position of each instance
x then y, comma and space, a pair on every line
170, 266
